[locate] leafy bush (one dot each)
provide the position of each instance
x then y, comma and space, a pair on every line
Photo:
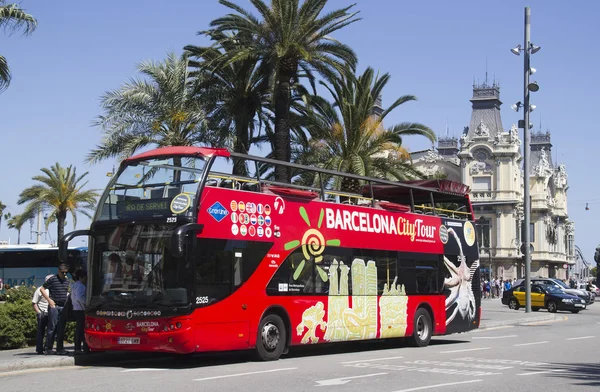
21, 293
18, 324
70, 332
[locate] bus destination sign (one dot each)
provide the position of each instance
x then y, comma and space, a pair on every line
141, 208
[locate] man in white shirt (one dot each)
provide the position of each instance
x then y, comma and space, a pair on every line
40, 305
78, 300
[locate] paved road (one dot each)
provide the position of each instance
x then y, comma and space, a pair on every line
543, 356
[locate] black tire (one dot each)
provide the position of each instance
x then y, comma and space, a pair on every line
552, 307
535, 309
422, 328
271, 339
575, 311
513, 304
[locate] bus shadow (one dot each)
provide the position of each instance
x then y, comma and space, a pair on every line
201, 360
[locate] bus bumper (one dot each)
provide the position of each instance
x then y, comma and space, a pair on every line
179, 342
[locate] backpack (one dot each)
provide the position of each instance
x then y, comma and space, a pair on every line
68, 312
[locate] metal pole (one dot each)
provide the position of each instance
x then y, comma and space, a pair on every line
526, 147
39, 227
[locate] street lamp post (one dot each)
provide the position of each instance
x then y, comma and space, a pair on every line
482, 222
527, 50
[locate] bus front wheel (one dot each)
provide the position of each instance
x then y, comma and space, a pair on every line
271, 338
422, 328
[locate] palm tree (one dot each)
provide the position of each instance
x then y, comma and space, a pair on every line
347, 136
16, 222
12, 18
62, 191
234, 94
159, 111
2, 208
291, 38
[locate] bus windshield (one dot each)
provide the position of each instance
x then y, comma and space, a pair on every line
153, 188
135, 267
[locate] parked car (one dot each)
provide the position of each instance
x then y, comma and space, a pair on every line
585, 295
584, 286
543, 296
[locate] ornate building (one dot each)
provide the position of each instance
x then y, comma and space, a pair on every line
489, 160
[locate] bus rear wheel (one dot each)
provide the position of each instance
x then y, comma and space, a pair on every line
271, 339
422, 328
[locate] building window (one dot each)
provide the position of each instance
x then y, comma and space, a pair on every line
532, 232
570, 250
482, 183
483, 232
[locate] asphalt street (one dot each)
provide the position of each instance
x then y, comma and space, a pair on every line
542, 356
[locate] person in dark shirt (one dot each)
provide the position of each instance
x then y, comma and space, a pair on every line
59, 288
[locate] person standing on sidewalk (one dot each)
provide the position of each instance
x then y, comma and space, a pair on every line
59, 287
78, 299
40, 305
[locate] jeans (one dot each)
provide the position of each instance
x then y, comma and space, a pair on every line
56, 328
42, 324
79, 330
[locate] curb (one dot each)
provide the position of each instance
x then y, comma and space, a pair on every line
24, 364
69, 360
521, 321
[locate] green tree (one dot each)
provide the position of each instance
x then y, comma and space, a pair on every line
348, 136
2, 208
16, 222
62, 191
159, 111
13, 18
233, 94
291, 38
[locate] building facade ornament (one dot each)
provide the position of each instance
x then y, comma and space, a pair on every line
432, 156
480, 167
569, 227
513, 135
497, 139
560, 177
542, 168
482, 130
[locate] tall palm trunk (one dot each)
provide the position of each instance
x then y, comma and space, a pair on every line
61, 218
242, 142
177, 173
282, 125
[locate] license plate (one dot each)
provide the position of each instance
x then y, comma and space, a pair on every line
579, 305
128, 341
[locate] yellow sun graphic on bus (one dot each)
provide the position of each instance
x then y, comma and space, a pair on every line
313, 244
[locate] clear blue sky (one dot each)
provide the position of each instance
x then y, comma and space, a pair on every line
432, 49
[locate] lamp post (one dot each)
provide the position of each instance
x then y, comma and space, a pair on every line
482, 222
527, 50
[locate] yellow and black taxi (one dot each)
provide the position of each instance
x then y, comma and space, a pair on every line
543, 296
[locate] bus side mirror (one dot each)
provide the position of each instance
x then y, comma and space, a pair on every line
180, 234
63, 243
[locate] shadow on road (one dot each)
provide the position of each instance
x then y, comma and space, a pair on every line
189, 361
588, 374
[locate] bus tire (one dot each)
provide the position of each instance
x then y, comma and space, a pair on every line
271, 340
422, 328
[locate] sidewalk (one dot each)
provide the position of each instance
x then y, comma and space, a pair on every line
27, 358
494, 314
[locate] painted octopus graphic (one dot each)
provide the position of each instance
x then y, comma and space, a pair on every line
459, 283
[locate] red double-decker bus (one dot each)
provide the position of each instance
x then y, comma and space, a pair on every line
184, 257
